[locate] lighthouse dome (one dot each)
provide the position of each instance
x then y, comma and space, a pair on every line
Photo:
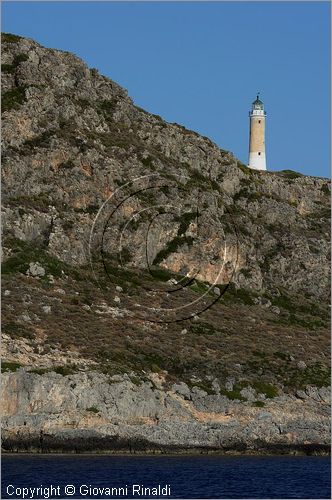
257, 104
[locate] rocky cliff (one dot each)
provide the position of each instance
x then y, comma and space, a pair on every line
158, 294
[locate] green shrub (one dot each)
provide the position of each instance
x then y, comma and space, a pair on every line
203, 385
196, 178
242, 295
41, 141
126, 255
202, 328
281, 355
269, 390
158, 117
39, 201
251, 196
84, 103
148, 196
9, 366
245, 169
325, 189
12, 99
316, 374
69, 164
148, 161
9, 38
234, 394
259, 354
285, 302
67, 225
290, 174
161, 274
172, 247
40, 371
120, 276
24, 253
20, 58
7, 68
199, 287
93, 409
259, 404
16, 330
155, 368
137, 381
89, 209
109, 107
185, 221
61, 370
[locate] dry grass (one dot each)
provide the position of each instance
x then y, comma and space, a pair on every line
232, 332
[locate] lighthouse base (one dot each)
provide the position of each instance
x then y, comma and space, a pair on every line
257, 161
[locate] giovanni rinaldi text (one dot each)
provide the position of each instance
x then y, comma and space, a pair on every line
88, 490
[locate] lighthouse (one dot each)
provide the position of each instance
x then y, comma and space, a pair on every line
257, 115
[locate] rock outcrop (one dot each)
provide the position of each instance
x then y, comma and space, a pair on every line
91, 412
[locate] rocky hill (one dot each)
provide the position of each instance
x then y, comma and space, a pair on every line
157, 293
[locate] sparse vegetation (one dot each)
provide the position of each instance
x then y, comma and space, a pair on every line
24, 253
69, 164
172, 247
93, 409
89, 209
258, 404
210, 347
290, 174
147, 161
325, 189
9, 366
39, 201
12, 99
236, 392
61, 370
245, 169
17, 330
269, 390
250, 196
9, 38
108, 107
7, 68
11, 68
242, 295
185, 220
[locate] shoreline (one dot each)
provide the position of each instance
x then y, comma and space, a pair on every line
269, 451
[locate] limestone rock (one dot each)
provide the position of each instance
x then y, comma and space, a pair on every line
140, 413
36, 270
301, 365
249, 393
182, 389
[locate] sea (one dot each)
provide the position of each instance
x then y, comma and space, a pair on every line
83, 476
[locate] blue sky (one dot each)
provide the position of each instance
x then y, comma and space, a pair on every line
200, 64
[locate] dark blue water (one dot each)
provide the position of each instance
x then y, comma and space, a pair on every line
187, 477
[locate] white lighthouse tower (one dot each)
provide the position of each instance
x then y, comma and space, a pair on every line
257, 116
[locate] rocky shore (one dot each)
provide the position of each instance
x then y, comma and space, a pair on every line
90, 412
